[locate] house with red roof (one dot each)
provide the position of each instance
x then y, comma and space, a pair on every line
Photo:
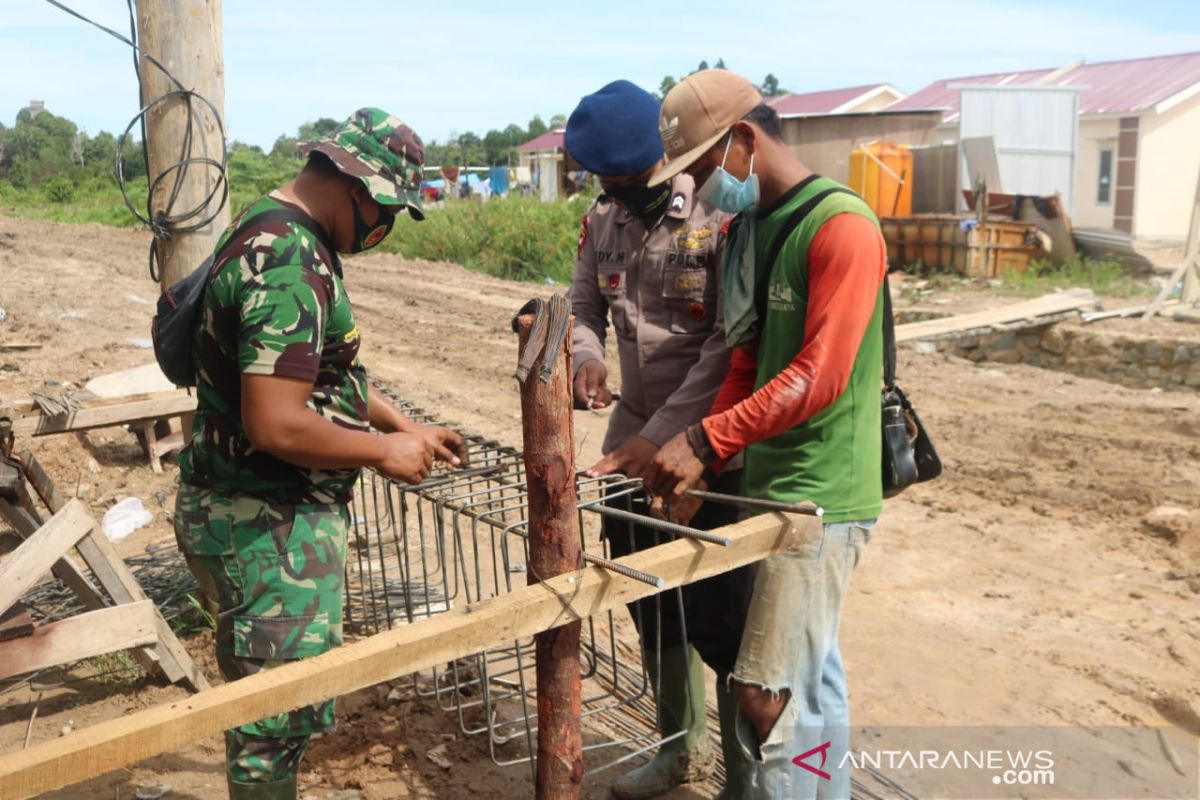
853, 99
1138, 156
543, 157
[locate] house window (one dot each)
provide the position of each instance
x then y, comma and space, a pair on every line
1104, 188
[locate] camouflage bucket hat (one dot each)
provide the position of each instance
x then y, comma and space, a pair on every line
382, 152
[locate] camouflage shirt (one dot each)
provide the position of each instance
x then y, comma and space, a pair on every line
275, 307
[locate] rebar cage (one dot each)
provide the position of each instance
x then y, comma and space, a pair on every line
462, 537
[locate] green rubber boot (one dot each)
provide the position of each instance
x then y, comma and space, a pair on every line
738, 768
688, 757
275, 790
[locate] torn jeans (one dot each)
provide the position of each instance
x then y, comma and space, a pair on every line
790, 642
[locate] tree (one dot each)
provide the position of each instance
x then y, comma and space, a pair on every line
720, 64
514, 134
319, 129
285, 147
703, 65
558, 121
668, 83
133, 159
471, 150
27, 143
99, 151
770, 86
536, 126
496, 145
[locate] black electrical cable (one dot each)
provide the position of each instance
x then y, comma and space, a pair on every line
167, 222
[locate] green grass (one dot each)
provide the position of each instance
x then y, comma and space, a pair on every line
1042, 277
518, 238
1103, 277
96, 201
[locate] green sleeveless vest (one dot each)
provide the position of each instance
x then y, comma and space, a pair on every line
832, 458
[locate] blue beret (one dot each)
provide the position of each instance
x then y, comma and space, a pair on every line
615, 131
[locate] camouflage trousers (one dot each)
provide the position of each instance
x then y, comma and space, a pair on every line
272, 575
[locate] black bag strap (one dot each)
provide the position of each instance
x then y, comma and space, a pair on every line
889, 338
761, 288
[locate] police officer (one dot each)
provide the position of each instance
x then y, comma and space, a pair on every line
648, 259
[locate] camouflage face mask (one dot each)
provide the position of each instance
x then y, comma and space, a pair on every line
367, 236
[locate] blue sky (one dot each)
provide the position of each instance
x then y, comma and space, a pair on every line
454, 67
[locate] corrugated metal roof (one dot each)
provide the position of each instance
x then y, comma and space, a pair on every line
547, 141
1113, 87
825, 102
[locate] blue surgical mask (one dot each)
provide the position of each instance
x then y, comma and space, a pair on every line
728, 193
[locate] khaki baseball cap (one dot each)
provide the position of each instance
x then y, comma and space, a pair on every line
697, 113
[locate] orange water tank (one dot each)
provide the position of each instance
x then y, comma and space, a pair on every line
882, 173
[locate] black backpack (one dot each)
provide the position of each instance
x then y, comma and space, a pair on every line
173, 329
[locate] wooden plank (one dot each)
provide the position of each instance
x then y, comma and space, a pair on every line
169, 443
86, 635
65, 569
106, 415
1165, 291
22, 569
469, 629
25, 407
145, 379
150, 439
167, 654
1057, 303
43, 487
15, 623
114, 575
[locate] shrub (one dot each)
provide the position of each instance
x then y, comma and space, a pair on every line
60, 189
518, 238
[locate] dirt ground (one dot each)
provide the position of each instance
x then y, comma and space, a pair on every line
1025, 586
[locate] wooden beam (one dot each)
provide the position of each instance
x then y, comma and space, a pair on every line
110, 569
1047, 305
469, 629
23, 568
65, 569
93, 633
106, 415
168, 654
15, 623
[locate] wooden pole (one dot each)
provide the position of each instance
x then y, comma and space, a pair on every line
554, 549
185, 37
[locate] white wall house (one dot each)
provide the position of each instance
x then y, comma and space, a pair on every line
1138, 153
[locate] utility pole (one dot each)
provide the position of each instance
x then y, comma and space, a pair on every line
554, 538
185, 37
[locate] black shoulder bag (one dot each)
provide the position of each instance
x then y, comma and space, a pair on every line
908, 453
177, 314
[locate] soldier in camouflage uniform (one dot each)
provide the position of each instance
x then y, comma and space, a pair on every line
283, 426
